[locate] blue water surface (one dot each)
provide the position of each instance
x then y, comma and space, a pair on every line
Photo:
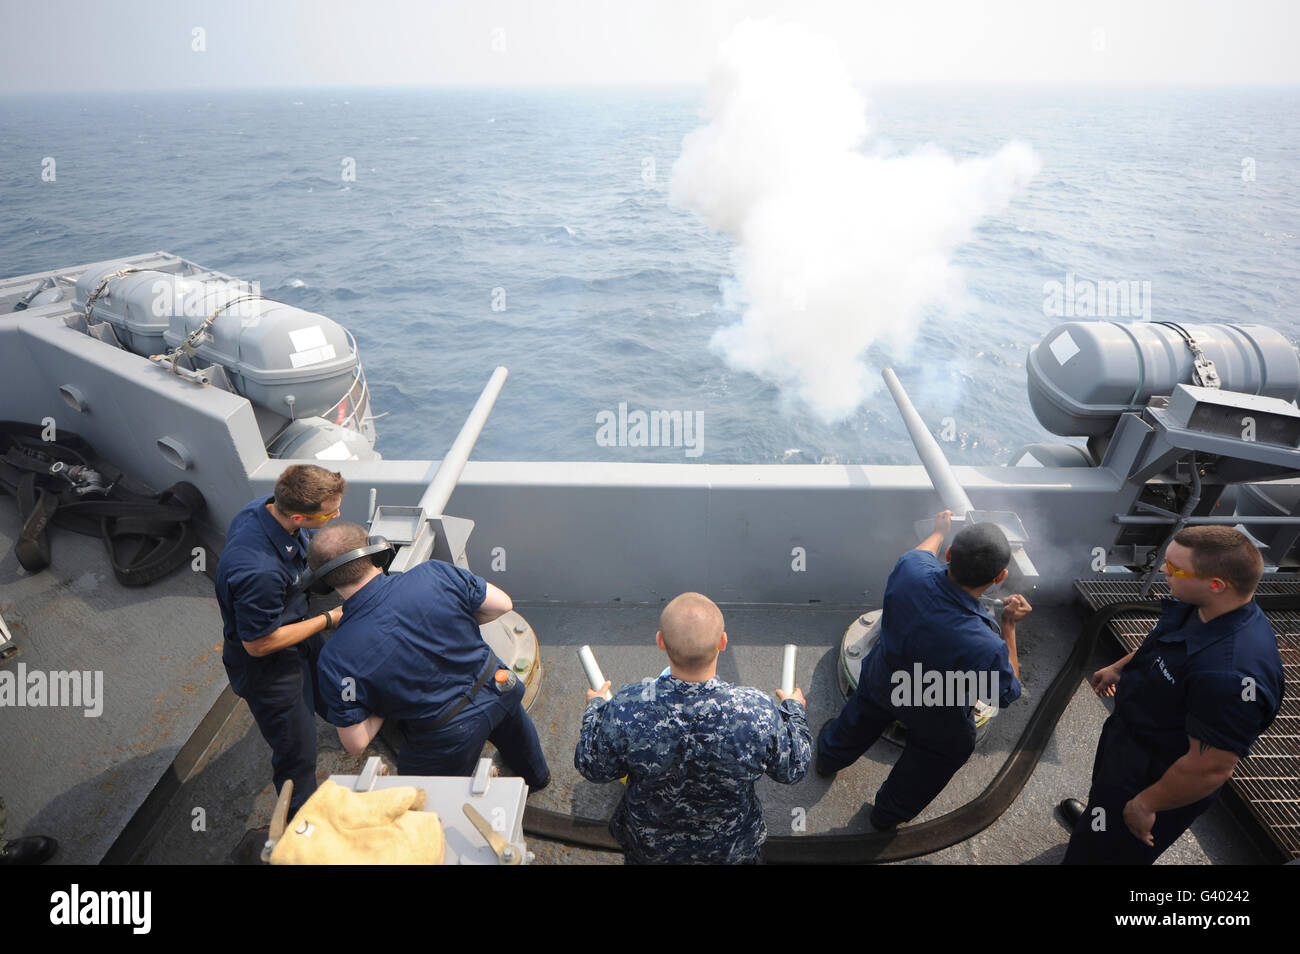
546, 197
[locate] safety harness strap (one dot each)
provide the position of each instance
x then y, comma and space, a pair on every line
146, 537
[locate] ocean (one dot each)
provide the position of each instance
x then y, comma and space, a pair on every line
532, 228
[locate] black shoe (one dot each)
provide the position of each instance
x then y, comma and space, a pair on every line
821, 771
28, 851
1070, 811
879, 827
534, 789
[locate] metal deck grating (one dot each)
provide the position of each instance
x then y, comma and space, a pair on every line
1268, 780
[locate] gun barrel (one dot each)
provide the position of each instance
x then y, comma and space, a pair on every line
927, 448
440, 488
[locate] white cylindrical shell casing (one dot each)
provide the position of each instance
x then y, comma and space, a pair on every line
595, 678
787, 669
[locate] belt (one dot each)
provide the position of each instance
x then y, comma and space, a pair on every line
453, 708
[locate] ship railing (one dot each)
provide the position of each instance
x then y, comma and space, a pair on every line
353, 409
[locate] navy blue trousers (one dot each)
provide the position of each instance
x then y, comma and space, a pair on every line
282, 694
455, 749
939, 741
1122, 768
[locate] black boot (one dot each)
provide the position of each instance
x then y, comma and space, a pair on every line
28, 851
1070, 811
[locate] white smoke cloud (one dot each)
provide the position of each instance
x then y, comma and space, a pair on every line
837, 248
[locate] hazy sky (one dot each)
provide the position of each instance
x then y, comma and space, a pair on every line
150, 44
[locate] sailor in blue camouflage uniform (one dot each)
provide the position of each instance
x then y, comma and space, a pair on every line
691, 747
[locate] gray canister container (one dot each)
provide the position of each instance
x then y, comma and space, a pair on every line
272, 352
138, 305
90, 280
1084, 374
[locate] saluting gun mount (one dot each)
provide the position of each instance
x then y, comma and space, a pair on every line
424, 532
864, 631
1022, 575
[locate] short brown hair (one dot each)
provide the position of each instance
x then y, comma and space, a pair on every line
334, 541
302, 488
1224, 552
692, 626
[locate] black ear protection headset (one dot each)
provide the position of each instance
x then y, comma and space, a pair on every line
379, 551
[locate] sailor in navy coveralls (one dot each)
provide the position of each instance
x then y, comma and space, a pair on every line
409, 648
271, 647
932, 626
1189, 702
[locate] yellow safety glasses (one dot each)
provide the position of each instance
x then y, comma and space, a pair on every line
1179, 571
322, 517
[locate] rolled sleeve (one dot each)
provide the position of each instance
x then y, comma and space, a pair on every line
1226, 710
259, 597
469, 588
598, 756
1008, 684
916, 562
790, 752
339, 712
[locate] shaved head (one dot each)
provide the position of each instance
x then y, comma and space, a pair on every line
692, 628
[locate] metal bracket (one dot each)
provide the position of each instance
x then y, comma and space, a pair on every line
418, 537
451, 538
1023, 572
507, 854
478, 785
373, 768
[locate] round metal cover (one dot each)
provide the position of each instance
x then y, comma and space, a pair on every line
515, 643
858, 640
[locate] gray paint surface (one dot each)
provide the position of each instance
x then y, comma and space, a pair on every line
157, 651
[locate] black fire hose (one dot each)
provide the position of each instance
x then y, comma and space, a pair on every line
927, 837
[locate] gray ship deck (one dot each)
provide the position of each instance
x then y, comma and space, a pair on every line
164, 675
623, 641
